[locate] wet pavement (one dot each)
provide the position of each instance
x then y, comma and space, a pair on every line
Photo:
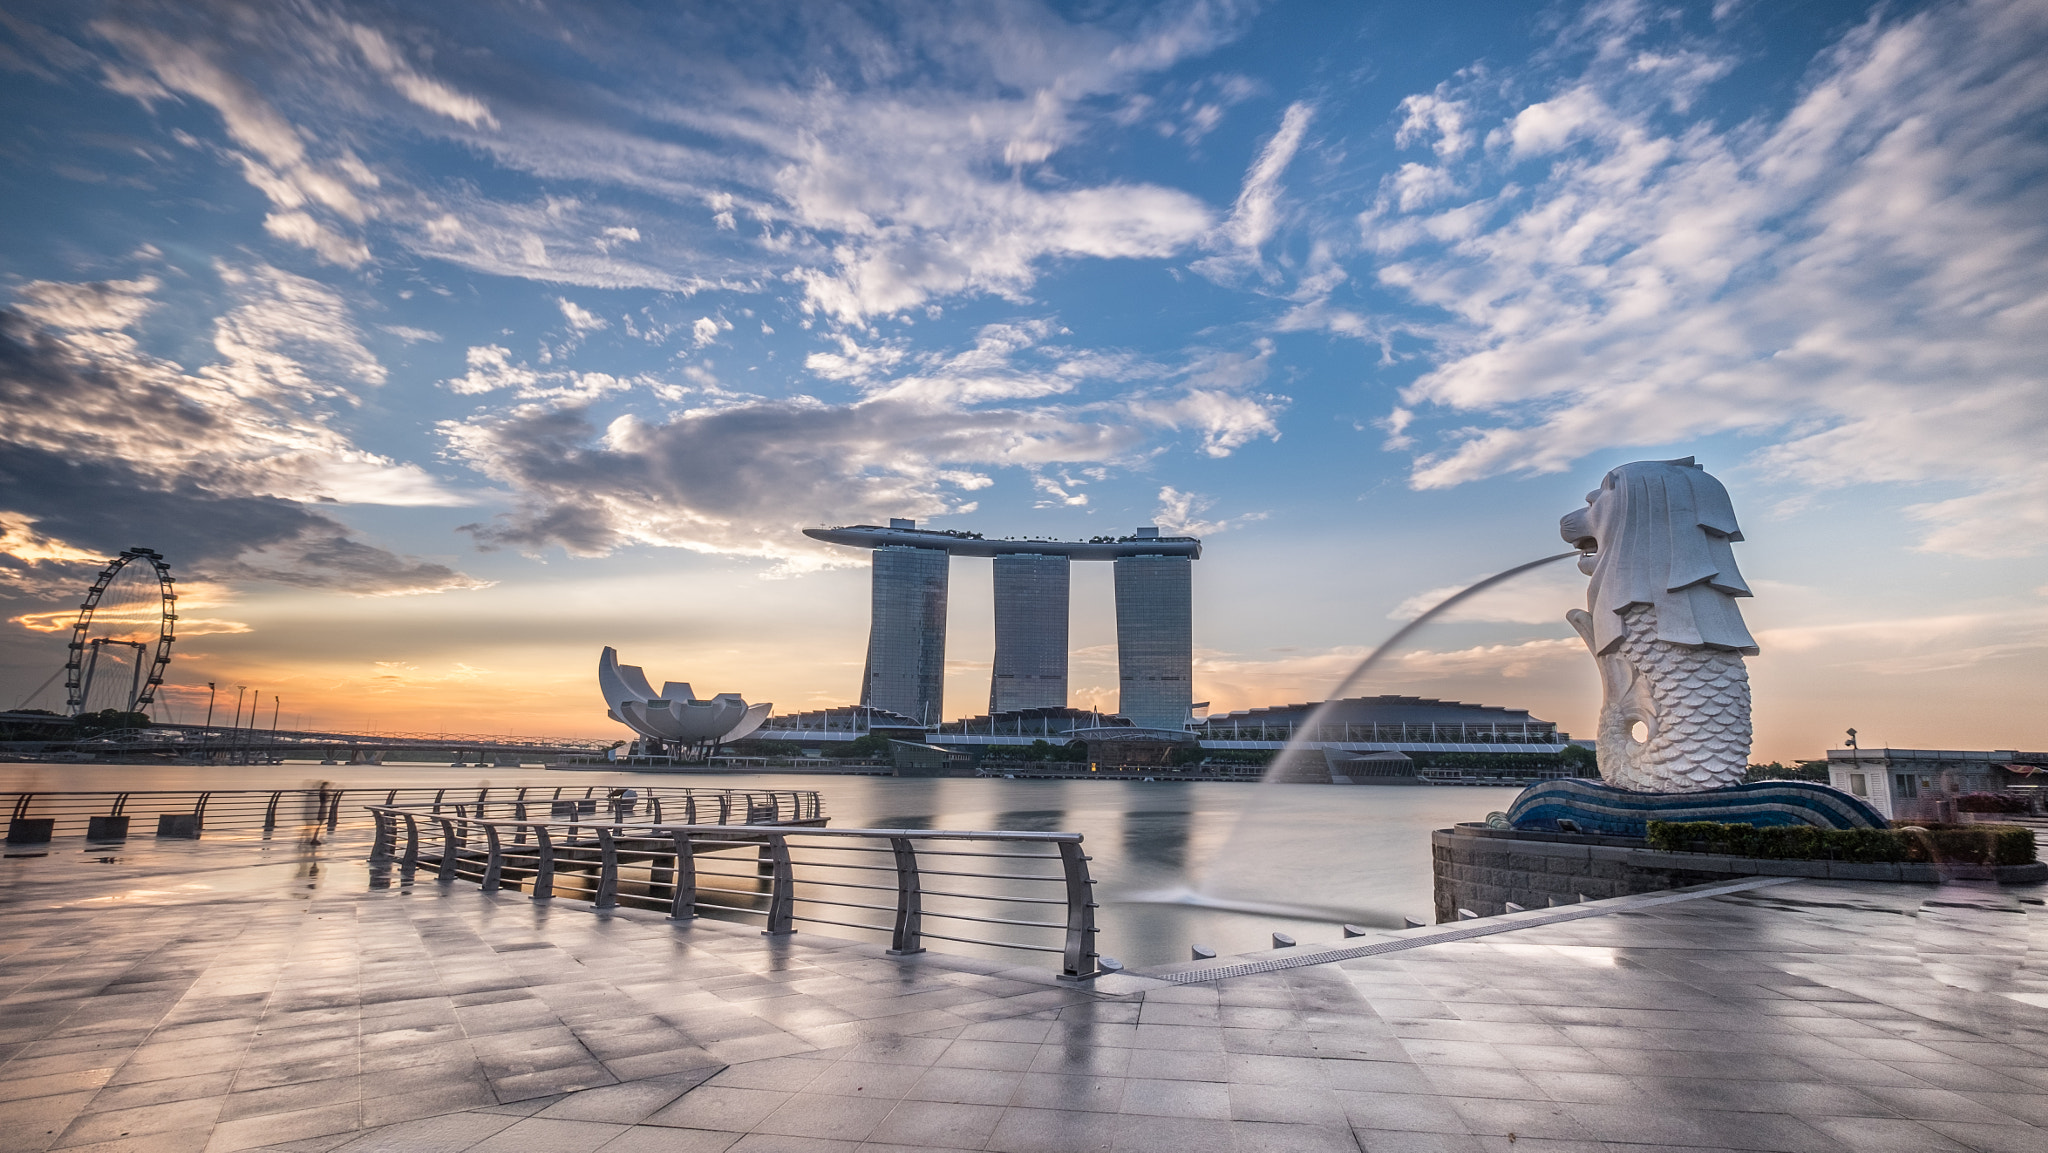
214, 995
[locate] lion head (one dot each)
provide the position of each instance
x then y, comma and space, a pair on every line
1657, 532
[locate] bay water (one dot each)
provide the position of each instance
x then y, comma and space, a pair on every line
1176, 864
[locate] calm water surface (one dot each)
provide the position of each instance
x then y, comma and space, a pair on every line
1222, 865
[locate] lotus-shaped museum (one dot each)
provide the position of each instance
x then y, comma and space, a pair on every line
674, 716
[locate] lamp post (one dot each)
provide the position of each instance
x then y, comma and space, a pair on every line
209, 705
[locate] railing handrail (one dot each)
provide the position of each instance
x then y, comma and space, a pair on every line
679, 876
334, 787
817, 831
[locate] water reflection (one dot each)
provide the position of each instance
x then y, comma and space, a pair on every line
1225, 865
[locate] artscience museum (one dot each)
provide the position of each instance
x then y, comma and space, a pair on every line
672, 722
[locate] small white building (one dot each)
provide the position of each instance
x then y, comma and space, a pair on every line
1923, 784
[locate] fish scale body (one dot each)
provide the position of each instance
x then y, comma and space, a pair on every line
1694, 701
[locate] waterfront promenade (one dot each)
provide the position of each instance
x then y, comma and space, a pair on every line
225, 995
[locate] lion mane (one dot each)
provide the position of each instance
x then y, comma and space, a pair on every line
1659, 533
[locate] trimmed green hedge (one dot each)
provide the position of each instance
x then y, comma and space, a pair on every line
1973, 844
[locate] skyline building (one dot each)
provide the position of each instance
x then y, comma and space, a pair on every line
1032, 593
906, 665
906, 660
1155, 640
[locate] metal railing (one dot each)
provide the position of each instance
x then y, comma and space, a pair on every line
110, 815
909, 885
1453, 733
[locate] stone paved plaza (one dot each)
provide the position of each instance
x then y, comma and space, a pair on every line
221, 996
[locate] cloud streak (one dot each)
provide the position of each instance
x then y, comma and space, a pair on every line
102, 445
1858, 281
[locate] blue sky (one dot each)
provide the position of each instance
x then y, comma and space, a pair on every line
440, 345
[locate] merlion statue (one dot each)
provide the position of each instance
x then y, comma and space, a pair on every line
1661, 621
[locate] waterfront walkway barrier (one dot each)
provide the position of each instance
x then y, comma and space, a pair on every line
982, 890
107, 816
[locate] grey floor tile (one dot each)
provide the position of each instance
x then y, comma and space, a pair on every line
965, 1086
1884, 1135
626, 1104
1025, 1130
549, 1135
656, 1139
721, 1108
945, 1125
1416, 1112
826, 1116
855, 1077
1991, 1138
448, 1133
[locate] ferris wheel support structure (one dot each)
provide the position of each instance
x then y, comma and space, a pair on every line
85, 653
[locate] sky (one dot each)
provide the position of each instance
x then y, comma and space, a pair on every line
438, 346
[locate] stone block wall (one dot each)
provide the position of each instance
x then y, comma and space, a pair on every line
1482, 869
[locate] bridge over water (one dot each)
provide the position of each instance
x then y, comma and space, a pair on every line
43, 737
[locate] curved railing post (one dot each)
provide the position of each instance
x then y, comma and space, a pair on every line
380, 847
544, 865
451, 850
690, 807
1079, 954
684, 906
519, 814
270, 814
607, 868
334, 810
412, 844
725, 808
438, 793
782, 890
908, 935
494, 868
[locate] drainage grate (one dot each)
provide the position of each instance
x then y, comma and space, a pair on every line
1468, 931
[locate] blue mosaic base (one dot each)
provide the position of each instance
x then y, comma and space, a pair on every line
1603, 809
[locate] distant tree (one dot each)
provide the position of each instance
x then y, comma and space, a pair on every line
107, 721
871, 745
1799, 771
749, 748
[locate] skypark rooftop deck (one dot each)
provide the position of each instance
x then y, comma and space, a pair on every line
974, 544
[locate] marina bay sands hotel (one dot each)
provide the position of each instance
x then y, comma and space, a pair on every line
906, 665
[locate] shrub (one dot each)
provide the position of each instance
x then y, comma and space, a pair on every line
1974, 844
1778, 842
1991, 803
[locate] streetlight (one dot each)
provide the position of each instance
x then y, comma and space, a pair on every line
209, 705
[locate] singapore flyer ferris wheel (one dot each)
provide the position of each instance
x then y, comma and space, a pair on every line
133, 606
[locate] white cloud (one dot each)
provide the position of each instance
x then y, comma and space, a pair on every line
581, 320
1256, 215
1859, 282
1180, 513
491, 369
705, 329
1435, 114
303, 230
101, 306
410, 83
